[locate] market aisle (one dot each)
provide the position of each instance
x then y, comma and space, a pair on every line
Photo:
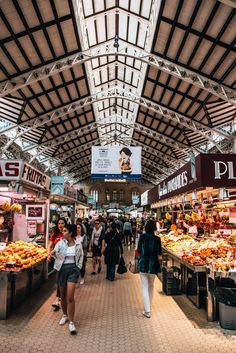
109, 319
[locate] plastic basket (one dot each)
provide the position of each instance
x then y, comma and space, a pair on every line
227, 316
171, 281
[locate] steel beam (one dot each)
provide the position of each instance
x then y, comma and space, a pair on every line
167, 158
116, 92
71, 152
126, 50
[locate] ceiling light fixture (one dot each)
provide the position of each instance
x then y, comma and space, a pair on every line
116, 42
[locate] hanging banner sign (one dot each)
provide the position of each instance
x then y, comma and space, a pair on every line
213, 170
17, 170
144, 198
10, 170
116, 162
34, 177
57, 185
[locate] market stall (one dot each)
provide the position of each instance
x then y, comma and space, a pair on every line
24, 210
198, 204
22, 270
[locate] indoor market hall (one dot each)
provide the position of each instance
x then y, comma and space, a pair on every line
117, 176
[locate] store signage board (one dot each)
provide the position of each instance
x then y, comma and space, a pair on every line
135, 200
144, 198
10, 170
17, 170
211, 170
116, 162
57, 185
32, 228
70, 191
34, 177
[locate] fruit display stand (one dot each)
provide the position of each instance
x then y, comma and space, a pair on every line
23, 267
201, 262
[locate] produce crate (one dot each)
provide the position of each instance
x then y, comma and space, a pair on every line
227, 316
171, 280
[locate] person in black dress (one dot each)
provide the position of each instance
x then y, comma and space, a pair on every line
113, 250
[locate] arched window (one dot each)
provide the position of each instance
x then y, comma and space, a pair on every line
94, 193
135, 197
108, 195
135, 193
114, 195
121, 195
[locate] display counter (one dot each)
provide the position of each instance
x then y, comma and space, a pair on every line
16, 286
199, 282
193, 278
23, 267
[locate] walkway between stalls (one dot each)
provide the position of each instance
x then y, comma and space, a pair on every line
109, 319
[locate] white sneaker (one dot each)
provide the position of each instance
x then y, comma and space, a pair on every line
57, 304
82, 281
63, 320
146, 314
72, 328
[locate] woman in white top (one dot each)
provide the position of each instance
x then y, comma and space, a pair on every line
160, 225
68, 254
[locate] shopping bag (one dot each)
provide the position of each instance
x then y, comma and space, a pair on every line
121, 267
133, 266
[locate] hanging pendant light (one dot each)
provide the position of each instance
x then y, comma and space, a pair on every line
223, 194
194, 196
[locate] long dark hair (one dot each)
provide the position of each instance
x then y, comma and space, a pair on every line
150, 227
57, 230
81, 227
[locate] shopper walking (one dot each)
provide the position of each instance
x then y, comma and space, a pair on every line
97, 245
54, 239
68, 254
127, 230
149, 253
83, 240
113, 250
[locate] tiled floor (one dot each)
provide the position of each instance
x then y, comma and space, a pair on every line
109, 320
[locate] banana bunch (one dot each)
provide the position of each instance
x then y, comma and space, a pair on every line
187, 217
168, 216
6, 206
16, 207
195, 217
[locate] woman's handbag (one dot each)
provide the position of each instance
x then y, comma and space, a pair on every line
121, 267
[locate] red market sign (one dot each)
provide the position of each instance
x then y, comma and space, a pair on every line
12, 170
215, 170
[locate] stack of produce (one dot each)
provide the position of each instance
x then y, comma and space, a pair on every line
219, 254
21, 255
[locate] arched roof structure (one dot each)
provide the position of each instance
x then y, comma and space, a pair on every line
153, 73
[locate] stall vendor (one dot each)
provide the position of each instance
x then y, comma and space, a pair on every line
161, 227
191, 228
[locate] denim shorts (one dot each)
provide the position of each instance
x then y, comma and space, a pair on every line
68, 273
